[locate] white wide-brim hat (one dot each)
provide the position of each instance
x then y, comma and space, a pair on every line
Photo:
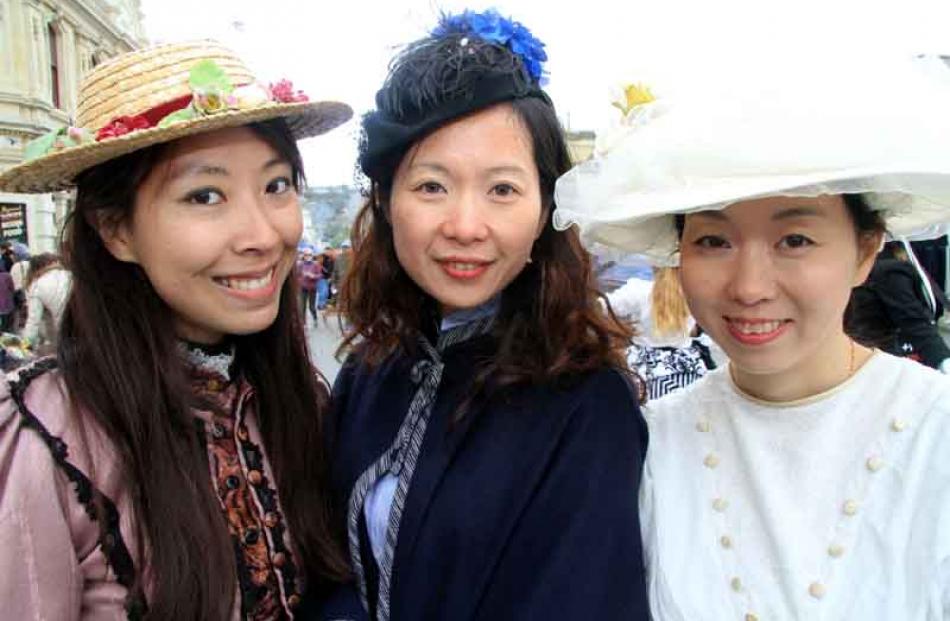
881, 129
159, 94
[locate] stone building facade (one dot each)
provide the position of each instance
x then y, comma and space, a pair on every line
46, 46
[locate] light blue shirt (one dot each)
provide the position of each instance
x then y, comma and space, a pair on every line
379, 500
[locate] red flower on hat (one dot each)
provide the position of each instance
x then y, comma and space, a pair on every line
284, 92
122, 125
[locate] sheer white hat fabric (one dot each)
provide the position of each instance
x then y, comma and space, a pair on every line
880, 128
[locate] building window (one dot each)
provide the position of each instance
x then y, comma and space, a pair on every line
53, 66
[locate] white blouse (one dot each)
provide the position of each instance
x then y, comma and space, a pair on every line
836, 507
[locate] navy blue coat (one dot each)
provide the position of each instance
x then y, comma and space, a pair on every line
526, 509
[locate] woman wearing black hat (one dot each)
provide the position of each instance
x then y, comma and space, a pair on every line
487, 432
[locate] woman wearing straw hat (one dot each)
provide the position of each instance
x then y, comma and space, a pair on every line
167, 461
808, 478
487, 434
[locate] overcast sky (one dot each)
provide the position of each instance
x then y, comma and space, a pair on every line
340, 50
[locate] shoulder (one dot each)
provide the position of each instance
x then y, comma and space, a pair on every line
604, 404
36, 411
909, 386
607, 387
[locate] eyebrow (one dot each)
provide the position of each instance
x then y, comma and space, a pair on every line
784, 214
218, 171
504, 168
798, 212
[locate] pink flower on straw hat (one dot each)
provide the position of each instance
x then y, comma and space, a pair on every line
284, 92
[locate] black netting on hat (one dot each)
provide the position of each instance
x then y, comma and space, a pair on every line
431, 82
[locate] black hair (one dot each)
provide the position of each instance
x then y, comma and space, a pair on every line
432, 82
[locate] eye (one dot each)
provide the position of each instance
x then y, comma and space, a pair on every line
279, 186
711, 241
429, 187
795, 241
205, 196
504, 190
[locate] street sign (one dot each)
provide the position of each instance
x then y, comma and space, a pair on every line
13, 222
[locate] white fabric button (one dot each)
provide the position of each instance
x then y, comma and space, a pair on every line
720, 504
875, 463
736, 584
816, 590
725, 541
751, 617
703, 426
850, 507
835, 550
711, 461
898, 425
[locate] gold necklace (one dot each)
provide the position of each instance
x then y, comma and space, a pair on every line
851, 361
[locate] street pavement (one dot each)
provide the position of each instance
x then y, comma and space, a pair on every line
323, 337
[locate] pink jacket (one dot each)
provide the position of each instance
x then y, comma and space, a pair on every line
51, 559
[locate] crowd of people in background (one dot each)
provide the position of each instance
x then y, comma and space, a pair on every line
319, 276
34, 290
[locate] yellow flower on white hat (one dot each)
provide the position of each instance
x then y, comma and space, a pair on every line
634, 95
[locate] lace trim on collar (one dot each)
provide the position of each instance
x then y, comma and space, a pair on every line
209, 360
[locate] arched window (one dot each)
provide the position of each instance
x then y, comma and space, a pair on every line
53, 65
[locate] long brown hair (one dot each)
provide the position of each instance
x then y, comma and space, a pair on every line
550, 325
668, 308
120, 362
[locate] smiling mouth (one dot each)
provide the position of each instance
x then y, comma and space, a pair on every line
461, 266
756, 327
247, 284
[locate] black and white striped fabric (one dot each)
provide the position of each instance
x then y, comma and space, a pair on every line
401, 458
665, 369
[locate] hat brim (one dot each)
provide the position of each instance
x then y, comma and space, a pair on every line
58, 170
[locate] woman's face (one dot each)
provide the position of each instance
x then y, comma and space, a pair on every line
769, 280
466, 208
215, 227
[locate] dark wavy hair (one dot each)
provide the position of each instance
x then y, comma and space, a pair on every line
121, 364
551, 326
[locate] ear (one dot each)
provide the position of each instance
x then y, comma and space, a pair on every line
869, 244
116, 237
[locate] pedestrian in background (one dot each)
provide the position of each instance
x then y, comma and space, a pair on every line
666, 352
892, 310
7, 302
19, 272
47, 291
326, 277
308, 275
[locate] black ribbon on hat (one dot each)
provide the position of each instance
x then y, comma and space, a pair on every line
386, 137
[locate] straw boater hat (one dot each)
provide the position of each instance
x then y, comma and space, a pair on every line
156, 95
880, 129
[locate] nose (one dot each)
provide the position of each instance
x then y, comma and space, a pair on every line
256, 224
465, 222
753, 276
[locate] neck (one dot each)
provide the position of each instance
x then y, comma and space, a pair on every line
812, 375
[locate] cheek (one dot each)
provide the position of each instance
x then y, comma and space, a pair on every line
412, 234
519, 233
290, 226
701, 282
825, 289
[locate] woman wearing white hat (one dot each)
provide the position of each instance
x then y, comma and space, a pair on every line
168, 461
806, 479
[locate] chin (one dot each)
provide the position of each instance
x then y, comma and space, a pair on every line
252, 325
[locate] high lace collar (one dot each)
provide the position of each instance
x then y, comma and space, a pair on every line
217, 360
